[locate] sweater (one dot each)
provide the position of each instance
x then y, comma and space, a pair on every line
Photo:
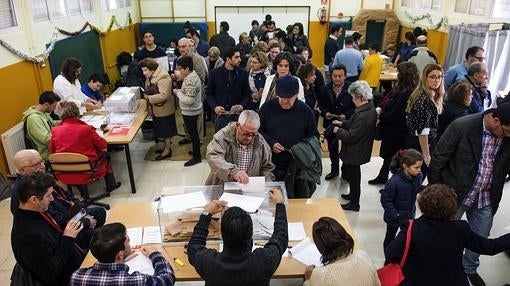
190, 95
372, 71
39, 126
354, 270
238, 268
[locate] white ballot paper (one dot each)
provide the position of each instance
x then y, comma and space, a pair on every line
182, 202
140, 263
151, 234
247, 203
135, 236
296, 231
255, 185
306, 252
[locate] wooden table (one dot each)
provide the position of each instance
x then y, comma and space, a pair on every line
136, 214
124, 140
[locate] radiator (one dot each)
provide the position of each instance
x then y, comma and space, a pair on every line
13, 141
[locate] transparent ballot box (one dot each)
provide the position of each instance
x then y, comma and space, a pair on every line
179, 210
123, 100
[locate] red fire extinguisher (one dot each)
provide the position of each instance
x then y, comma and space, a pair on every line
322, 15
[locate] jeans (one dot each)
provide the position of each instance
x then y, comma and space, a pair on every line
352, 174
480, 221
191, 125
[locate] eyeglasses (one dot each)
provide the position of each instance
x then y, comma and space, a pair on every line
435, 77
246, 133
35, 165
481, 59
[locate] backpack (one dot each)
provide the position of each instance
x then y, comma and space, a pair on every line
29, 143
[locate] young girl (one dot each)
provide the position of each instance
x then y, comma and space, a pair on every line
399, 195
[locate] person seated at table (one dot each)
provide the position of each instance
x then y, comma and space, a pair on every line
47, 254
237, 264
342, 265
64, 202
93, 87
438, 242
373, 67
238, 151
74, 135
110, 246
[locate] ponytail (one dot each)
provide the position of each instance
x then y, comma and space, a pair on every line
404, 157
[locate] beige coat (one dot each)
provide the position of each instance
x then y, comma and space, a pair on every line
222, 155
163, 103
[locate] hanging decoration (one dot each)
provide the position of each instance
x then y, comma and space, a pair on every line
414, 19
41, 58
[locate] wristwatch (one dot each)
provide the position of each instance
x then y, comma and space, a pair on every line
206, 212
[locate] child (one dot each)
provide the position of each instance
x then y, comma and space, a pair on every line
399, 195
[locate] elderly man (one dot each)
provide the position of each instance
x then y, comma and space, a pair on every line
110, 246
64, 204
477, 75
459, 71
238, 151
421, 55
237, 264
285, 122
38, 122
473, 157
202, 46
40, 247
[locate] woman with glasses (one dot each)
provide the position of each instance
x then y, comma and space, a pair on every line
257, 75
422, 113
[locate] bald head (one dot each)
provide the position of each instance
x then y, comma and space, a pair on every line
28, 161
421, 41
184, 46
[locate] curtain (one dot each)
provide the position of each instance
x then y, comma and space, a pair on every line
460, 38
497, 52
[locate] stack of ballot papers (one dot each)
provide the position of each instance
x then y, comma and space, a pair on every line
306, 252
94, 120
139, 236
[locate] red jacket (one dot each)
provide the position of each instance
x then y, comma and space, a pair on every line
74, 135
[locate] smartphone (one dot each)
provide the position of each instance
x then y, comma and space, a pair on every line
79, 215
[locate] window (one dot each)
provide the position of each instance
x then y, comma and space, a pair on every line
58, 9
473, 7
422, 4
501, 9
116, 4
7, 15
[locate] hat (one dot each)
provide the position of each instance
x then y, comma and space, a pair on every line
502, 112
287, 86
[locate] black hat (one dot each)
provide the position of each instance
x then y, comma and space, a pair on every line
503, 113
287, 86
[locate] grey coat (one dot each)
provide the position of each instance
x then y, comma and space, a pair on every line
357, 135
222, 156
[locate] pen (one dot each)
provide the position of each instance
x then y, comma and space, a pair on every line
179, 262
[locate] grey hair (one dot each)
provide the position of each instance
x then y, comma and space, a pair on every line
251, 117
361, 90
21, 157
421, 41
475, 67
215, 51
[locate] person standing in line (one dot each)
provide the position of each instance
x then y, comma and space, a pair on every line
331, 46
223, 40
350, 58
149, 49
459, 71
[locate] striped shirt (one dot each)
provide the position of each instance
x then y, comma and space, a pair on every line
244, 157
117, 274
480, 191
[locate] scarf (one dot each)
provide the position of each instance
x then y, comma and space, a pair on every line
253, 74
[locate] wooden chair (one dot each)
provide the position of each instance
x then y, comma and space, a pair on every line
75, 163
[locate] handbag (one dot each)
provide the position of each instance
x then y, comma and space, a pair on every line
391, 274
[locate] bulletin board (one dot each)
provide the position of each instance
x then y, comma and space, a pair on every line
239, 18
85, 47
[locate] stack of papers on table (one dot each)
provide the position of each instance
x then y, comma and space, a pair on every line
139, 236
140, 263
248, 203
182, 202
306, 252
94, 120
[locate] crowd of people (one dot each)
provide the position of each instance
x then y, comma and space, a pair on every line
266, 100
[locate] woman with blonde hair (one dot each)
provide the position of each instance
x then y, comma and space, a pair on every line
422, 113
257, 75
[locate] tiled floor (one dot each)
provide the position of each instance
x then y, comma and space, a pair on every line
367, 224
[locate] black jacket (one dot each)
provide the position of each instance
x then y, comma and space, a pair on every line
392, 124
457, 154
435, 254
233, 268
399, 198
331, 46
222, 40
357, 135
228, 88
328, 102
451, 111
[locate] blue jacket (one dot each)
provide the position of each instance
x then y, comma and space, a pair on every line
228, 88
399, 197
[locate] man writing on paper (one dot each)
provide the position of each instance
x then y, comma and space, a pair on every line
238, 151
110, 246
237, 264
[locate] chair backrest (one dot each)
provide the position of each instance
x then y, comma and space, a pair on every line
62, 163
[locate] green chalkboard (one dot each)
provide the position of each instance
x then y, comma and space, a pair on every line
163, 32
85, 47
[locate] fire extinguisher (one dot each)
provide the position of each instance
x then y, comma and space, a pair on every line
321, 14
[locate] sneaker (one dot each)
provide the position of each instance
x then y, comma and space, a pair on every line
377, 181
475, 279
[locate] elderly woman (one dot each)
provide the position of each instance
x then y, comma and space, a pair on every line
259, 72
213, 59
284, 65
392, 118
457, 104
76, 136
67, 86
162, 103
357, 136
435, 253
422, 113
342, 265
